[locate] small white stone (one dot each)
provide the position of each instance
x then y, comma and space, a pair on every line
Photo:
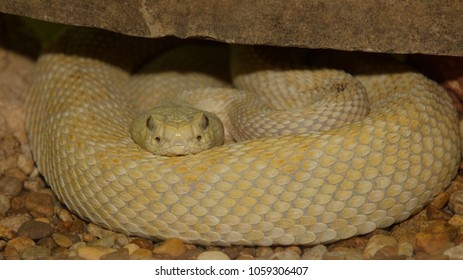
285, 255
405, 249
376, 243
131, 247
455, 253
64, 215
25, 164
93, 252
213, 255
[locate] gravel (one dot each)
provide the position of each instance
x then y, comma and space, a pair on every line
456, 202
35, 230
10, 186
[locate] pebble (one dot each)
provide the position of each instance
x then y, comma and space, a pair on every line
141, 254
455, 253
245, 257
405, 249
433, 213
40, 204
407, 230
10, 186
437, 237
456, 202
61, 253
34, 185
343, 253
295, 249
15, 221
10, 253
143, 243
132, 247
43, 220
35, 253
2, 244
173, 247
107, 241
191, 254
213, 255
93, 252
425, 256
5, 204
64, 215
17, 173
243, 250
315, 253
77, 245
62, 240
55, 200
456, 185
25, 163
264, 252
121, 254
47, 242
440, 200
63, 226
6, 233
77, 226
17, 204
234, 252
86, 237
378, 242
35, 229
15, 246
456, 220
285, 255
388, 253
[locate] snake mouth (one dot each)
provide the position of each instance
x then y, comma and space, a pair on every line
179, 150
179, 145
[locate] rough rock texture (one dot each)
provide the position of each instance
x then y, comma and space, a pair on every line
432, 26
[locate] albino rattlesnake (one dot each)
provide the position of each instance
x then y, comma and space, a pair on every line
295, 189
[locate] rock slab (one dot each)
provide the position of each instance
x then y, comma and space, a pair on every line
396, 26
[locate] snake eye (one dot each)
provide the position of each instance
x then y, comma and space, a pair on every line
199, 137
157, 139
150, 123
204, 122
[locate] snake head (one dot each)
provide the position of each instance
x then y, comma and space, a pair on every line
177, 130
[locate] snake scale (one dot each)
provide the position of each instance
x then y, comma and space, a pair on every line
289, 189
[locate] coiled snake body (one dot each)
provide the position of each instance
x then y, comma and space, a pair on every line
293, 189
